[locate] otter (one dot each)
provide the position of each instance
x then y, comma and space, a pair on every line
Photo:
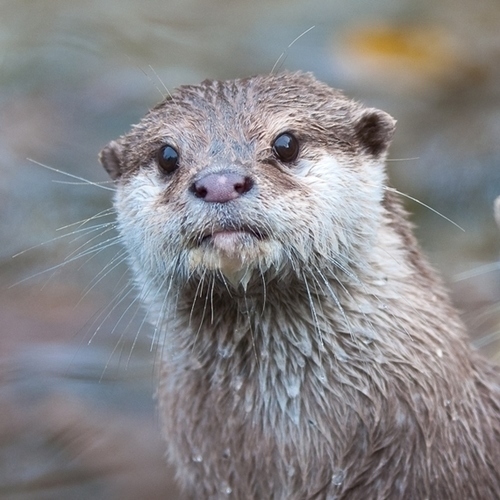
308, 349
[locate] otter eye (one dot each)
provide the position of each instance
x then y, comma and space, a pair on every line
286, 147
168, 159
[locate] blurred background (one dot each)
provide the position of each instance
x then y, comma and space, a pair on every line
77, 417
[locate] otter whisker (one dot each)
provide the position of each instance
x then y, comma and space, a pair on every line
81, 232
264, 289
283, 56
161, 82
389, 160
224, 281
336, 300
141, 296
199, 290
478, 271
93, 250
113, 304
152, 82
212, 286
98, 215
86, 181
400, 193
155, 338
251, 328
198, 293
486, 340
122, 335
116, 261
100, 235
312, 307
75, 183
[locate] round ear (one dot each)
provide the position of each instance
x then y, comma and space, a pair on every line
374, 130
110, 159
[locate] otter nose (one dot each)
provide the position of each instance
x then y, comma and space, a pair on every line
221, 187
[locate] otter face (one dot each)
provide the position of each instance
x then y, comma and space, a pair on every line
268, 174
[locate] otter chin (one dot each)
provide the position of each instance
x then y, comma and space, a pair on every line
232, 252
309, 350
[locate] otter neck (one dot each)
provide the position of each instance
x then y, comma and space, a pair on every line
314, 315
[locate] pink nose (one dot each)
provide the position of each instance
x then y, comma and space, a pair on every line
221, 187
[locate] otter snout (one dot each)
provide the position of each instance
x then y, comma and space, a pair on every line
221, 187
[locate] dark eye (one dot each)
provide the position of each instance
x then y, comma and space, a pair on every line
286, 147
168, 159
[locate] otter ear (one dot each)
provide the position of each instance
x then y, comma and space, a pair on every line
110, 159
374, 130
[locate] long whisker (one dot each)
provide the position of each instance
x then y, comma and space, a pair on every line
252, 333
105, 271
472, 273
199, 289
393, 190
95, 249
144, 319
402, 159
284, 54
121, 297
335, 299
161, 81
161, 315
486, 340
150, 79
86, 181
135, 301
109, 227
83, 232
98, 215
313, 311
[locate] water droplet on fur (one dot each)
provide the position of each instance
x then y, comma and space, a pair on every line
291, 471
248, 404
293, 387
239, 333
305, 347
338, 477
194, 365
237, 382
225, 488
383, 306
439, 353
365, 308
341, 354
294, 411
225, 352
196, 456
226, 453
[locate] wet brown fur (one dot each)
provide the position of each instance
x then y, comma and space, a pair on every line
322, 359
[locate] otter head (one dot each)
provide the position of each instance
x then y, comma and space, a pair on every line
268, 174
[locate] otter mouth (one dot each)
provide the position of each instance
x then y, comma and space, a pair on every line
231, 240
233, 251
237, 234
